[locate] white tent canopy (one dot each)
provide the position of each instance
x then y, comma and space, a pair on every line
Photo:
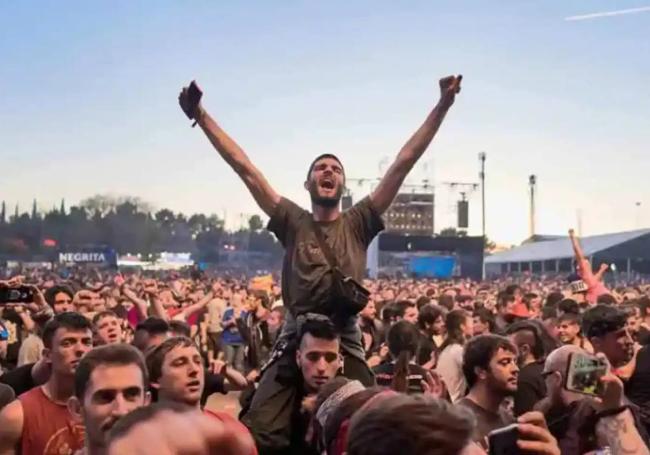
561, 248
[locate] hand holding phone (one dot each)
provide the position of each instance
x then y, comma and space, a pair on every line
503, 441
584, 374
529, 435
15, 295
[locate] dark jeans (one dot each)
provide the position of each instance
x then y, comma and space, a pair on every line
273, 406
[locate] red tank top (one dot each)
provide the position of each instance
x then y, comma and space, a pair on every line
48, 428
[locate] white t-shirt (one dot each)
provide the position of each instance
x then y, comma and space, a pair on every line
450, 370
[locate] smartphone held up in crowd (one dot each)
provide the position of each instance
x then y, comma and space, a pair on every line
584, 373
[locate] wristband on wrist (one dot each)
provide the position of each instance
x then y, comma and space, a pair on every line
611, 412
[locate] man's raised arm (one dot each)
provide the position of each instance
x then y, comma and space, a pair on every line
575, 244
265, 196
389, 185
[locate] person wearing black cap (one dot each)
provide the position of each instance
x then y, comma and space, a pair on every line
310, 273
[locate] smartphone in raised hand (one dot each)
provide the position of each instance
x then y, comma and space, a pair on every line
20, 294
503, 441
584, 373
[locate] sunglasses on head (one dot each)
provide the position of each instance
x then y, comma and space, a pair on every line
316, 356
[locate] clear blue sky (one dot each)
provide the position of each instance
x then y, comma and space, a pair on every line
88, 102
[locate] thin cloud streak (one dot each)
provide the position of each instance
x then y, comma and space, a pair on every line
619, 12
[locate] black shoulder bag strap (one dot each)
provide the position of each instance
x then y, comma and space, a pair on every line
324, 247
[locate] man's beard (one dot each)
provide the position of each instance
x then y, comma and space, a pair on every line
324, 201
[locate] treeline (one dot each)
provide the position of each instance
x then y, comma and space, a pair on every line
130, 226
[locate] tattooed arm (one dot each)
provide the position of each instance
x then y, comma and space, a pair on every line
618, 431
620, 434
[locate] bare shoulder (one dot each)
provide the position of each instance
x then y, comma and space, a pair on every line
11, 425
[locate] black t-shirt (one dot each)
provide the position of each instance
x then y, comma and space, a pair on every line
306, 276
486, 421
385, 373
637, 388
425, 348
20, 379
530, 387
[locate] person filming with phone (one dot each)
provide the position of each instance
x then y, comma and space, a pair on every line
583, 417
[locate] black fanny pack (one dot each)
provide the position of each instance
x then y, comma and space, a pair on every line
347, 296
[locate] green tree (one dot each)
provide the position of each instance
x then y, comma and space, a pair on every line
255, 223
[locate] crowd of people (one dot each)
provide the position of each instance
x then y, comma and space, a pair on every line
325, 361
465, 357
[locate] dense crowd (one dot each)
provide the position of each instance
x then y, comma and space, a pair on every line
324, 361
497, 349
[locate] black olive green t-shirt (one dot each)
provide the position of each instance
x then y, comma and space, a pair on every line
486, 421
306, 276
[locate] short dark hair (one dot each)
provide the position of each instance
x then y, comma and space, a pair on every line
486, 317
549, 312
503, 298
602, 319
54, 290
111, 354
156, 356
69, 320
318, 328
422, 301
528, 333
479, 352
180, 328
320, 157
529, 296
146, 329
103, 314
153, 326
401, 307
553, 299
511, 289
428, 315
607, 299
416, 425
388, 313
568, 306
571, 318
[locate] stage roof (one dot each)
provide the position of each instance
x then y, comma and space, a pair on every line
547, 250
